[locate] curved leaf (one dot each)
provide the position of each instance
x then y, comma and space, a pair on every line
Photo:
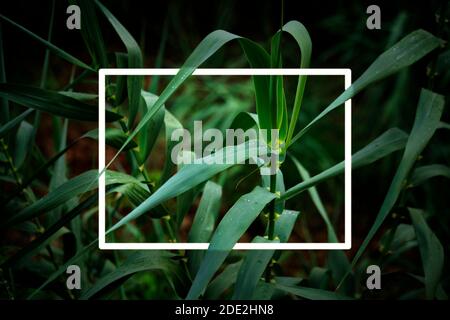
422, 174
407, 51
233, 225
301, 35
68, 190
148, 136
136, 262
390, 141
204, 222
10, 125
190, 176
134, 61
252, 268
431, 251
52, 102
429, 111
50, 46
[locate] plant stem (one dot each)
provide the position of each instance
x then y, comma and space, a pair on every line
271, 227
169, 228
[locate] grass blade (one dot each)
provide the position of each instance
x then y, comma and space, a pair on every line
114, 137
431, 251
52, 102
311, 293
189, 176
171, 124
204, 222
10, 125
230, 229
92, 34
390, 141
147, 137
134, 61
422, 174
429, 111
301, 36
59, 52
68, 190
317, 201
251, 270
137, 262
406, 52
223, 281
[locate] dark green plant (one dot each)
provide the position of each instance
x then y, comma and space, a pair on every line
137, 118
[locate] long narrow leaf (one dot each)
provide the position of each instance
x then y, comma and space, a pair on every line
233, 225
404, 53
429, 111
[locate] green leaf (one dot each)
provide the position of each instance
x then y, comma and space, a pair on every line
245, 121
59, 174
136, 192
255, 54
190, 176
223, 281
204, 222
62, 269
282, 112
52, 102
68, 190
252, 268
54, 49
171, 124
443, 125
50, 233
233, 225
284, 226
23, 141
10, 125
319, 278
186, 199
209, 45
317, 201
422, 174
148, 136
114, 137
259, 58
429, 111
404, 53
311, 293
137, 262
276, 91
431, 251
121, 83
390, 141
82, 96
134, 61
301, 36
92, 33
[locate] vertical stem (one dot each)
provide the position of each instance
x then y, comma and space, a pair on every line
169, 228
273, 178
271, 227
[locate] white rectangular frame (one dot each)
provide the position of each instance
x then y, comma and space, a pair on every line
238, 246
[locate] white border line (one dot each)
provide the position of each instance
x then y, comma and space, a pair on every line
238, 246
